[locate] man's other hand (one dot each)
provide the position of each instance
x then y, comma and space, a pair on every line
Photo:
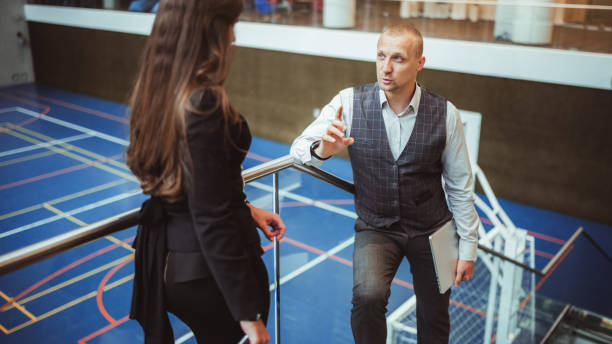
465, 271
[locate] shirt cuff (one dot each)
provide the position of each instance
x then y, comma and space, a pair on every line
467, 250
314, 161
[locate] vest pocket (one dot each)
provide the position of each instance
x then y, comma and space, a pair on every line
423, 197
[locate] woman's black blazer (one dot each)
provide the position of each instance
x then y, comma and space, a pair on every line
212, 234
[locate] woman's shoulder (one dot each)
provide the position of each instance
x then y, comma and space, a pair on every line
205, 112
204, 101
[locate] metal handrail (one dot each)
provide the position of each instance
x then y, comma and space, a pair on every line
556, 324
47, 248
33, 253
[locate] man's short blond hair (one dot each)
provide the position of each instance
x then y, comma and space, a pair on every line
398, 29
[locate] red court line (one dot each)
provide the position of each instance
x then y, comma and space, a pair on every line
317, 251
553, 268
76, 107
544, 254
45, 111
541, 253
546, 237
59, 172
403, 283
395, 280
109, 274
103, 330
26, 122
486, 221
469, 308
532, 233
22, 100
61, 271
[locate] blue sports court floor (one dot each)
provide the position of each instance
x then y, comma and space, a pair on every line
62, 167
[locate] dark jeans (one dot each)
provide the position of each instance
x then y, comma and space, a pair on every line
200, 304
376, 257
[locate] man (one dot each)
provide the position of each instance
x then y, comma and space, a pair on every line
401, 139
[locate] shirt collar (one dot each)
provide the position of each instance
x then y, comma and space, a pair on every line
413, 107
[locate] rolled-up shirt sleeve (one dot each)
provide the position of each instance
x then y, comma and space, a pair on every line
300, 149
458, 183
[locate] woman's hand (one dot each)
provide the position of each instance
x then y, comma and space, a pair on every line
265, 219
256, 331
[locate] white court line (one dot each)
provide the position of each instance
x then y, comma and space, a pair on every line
43, 145
311, 264
318, 204
184, 338
69, 213
306, 200
11, 109
74, 127
321, 258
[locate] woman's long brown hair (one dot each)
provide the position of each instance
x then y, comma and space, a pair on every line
188, 49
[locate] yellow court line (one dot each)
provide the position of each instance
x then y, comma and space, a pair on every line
64, 215
18, 306
96, 164
71, 281
83, 224
71, 147
25, 158
64, 198
71, 304
3, 329
120, 243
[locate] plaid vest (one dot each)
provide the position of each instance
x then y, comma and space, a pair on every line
407, 190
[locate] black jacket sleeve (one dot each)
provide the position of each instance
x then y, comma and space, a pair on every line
221, 220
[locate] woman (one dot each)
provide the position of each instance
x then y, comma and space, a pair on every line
198, 254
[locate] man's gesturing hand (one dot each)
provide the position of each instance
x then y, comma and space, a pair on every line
465, 271
333, 141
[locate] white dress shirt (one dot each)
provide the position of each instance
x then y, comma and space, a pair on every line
456, 169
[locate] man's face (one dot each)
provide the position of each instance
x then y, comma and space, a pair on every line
396, 62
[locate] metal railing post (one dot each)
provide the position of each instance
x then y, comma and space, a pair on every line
276, 209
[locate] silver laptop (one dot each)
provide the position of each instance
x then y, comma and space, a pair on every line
444, 244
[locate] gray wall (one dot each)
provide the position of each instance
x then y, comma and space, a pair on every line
15, 56
541, 144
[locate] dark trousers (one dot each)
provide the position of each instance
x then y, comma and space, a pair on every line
200, 304
376, 258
